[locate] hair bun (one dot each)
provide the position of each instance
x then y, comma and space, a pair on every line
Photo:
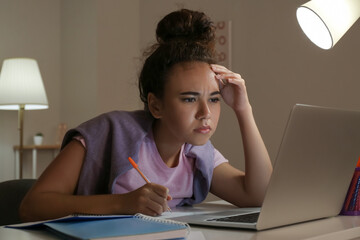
186, 25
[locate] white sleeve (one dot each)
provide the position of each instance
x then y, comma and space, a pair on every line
80, 139
218, 158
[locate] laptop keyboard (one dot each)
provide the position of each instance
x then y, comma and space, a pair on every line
244, 218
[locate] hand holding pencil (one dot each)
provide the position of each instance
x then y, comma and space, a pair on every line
145, 178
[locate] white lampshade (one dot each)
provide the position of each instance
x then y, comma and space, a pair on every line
21, 84
326, 21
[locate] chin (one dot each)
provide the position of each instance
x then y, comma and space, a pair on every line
198, 142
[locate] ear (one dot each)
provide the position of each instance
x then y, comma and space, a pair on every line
155, 105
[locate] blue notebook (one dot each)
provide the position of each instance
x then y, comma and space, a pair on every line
113, 227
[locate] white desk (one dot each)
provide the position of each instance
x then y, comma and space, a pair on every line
34, 149
335, 228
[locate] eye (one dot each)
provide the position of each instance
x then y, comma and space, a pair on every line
214, 100
189, 99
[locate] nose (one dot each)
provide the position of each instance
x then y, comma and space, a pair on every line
203, 111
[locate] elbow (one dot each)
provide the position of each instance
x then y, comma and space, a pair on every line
258, 200
27, 210
24, 212
259, 196
256, 196
249, 199
255, 200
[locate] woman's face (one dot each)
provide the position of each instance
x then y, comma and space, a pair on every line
190, 108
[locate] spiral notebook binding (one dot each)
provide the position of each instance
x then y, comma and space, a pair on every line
162, 220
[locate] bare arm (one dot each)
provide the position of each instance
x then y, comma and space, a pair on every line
237, 187
229, 183
53, 194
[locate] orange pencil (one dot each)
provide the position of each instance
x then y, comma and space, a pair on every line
133, 163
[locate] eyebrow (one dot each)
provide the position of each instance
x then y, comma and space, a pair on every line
196, 93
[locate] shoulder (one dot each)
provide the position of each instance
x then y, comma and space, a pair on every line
203, 155
193, 151
122, 116
108, 124
119, 118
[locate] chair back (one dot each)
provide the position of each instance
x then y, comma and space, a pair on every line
11, 194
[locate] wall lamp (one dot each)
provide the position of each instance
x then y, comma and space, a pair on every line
325, 21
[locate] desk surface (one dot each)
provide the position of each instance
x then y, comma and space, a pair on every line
334, 228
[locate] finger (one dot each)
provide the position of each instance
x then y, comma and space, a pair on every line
160, 196
160, 190
217, 67
163, 201
160, 193
221, 82
232, 80
159, 204
220, 70
153, 203
154, 209
229, 75
157, 198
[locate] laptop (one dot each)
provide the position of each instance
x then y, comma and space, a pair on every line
312, 172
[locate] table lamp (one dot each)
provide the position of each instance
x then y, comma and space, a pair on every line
21, 88
325, 21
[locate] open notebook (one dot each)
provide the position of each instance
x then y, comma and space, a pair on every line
312, 172
112, 227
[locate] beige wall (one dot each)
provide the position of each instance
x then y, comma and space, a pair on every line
79, 53
100, 47
30, 28
118, 55
88, 52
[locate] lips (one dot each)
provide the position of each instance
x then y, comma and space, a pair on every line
203, 129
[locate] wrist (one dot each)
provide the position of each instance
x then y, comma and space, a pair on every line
243, 110
119, 204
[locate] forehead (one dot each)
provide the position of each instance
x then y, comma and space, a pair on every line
191, 76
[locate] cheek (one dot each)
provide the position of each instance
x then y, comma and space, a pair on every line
184, 116
178, 114
215, 114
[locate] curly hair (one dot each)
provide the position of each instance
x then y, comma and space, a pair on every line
182, 36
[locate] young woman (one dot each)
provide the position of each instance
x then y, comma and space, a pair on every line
181, 87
